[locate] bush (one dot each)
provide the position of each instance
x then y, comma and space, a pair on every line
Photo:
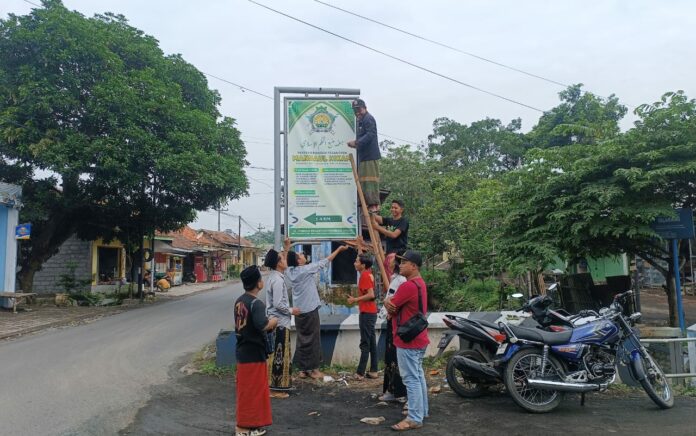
447, 293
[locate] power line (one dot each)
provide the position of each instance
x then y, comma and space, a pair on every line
31, 3
260, 168
441, 44
241, 88
458, 50
398, 59
398, 139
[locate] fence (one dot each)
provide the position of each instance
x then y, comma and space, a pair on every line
672, 340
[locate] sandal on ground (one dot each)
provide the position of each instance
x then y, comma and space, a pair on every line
359, 377
372, 375
251, 432
387, 396
316, 374
406, 425
302, 374
279, 394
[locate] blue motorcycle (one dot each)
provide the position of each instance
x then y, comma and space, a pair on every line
538, 366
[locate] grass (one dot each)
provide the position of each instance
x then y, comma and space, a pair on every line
208, 367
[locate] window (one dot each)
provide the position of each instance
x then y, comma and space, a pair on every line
108, 264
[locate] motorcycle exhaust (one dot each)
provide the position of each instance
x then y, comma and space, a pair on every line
563, 386
475, 368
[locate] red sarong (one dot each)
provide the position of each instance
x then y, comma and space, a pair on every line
253, 395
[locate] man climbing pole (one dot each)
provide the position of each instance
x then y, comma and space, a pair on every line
368, 154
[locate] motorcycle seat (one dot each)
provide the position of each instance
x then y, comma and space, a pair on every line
484, 323
550, 338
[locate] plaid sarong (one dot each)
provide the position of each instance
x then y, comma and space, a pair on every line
368, 172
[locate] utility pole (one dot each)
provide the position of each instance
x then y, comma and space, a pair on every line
239, 240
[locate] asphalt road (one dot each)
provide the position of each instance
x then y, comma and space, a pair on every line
204, 406
92, 379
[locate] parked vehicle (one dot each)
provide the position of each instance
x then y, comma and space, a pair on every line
470, 371
538, 367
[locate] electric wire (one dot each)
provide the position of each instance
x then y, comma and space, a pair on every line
398, 59
442, 44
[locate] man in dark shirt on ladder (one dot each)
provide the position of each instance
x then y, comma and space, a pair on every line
368, 154
394, 229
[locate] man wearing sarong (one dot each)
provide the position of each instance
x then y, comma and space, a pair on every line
278, 305
368, 154
305, 296
251, 326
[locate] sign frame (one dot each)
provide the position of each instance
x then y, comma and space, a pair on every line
286, 171
680, 228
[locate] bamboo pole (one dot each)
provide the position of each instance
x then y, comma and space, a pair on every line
374, 238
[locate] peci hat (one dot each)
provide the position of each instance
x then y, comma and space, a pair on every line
250, 277
412, 256
271, 260
357, 103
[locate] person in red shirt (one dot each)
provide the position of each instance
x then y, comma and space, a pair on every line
411, 298
368, 316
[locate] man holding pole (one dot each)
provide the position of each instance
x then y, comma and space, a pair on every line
368, 154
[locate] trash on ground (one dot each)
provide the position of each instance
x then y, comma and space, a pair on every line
315, 413
435, 372
373, 421
328, 379
382, 403
435, 389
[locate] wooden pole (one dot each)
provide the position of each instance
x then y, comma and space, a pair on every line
374, 237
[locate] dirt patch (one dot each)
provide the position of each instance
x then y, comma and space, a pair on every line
205, 405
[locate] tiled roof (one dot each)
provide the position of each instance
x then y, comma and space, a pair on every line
190, 239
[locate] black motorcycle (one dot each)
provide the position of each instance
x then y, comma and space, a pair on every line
472, 370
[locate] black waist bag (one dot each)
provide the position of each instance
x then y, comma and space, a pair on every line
415, 325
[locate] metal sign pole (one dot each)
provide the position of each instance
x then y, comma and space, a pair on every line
677, 282
281, 202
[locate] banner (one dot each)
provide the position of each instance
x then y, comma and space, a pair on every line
23, 232
321, 193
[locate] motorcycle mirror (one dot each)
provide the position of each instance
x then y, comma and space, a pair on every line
517, 295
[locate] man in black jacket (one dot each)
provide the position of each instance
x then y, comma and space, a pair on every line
368, 154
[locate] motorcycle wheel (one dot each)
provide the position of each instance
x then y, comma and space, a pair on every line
461, 384
655, 383
519, 368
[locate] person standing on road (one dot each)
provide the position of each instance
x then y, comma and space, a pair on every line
393, 388
278, 305
410, 299
367, 318
250, 326
305, 297
367, 144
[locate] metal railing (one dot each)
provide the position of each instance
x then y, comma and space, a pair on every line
676, 356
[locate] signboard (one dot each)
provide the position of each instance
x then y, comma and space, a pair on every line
680, 227
320, 189
23, 231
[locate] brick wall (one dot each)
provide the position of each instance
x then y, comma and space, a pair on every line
73, 250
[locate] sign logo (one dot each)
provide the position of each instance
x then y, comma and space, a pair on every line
321, 120
23, 232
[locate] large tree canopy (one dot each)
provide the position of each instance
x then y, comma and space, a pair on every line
105, 133
588, 200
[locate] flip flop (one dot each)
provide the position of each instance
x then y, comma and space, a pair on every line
406, 425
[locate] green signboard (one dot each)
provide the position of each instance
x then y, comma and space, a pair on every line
321, 192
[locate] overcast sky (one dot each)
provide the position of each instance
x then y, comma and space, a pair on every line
635, 49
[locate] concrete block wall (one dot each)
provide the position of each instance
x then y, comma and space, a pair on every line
73, 250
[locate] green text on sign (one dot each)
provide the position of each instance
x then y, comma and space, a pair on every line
306, 170
314, 218
323, 233
305, 192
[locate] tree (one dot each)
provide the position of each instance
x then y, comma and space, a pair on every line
262, 237
599, 199
487, 145
581, 118
107, 135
